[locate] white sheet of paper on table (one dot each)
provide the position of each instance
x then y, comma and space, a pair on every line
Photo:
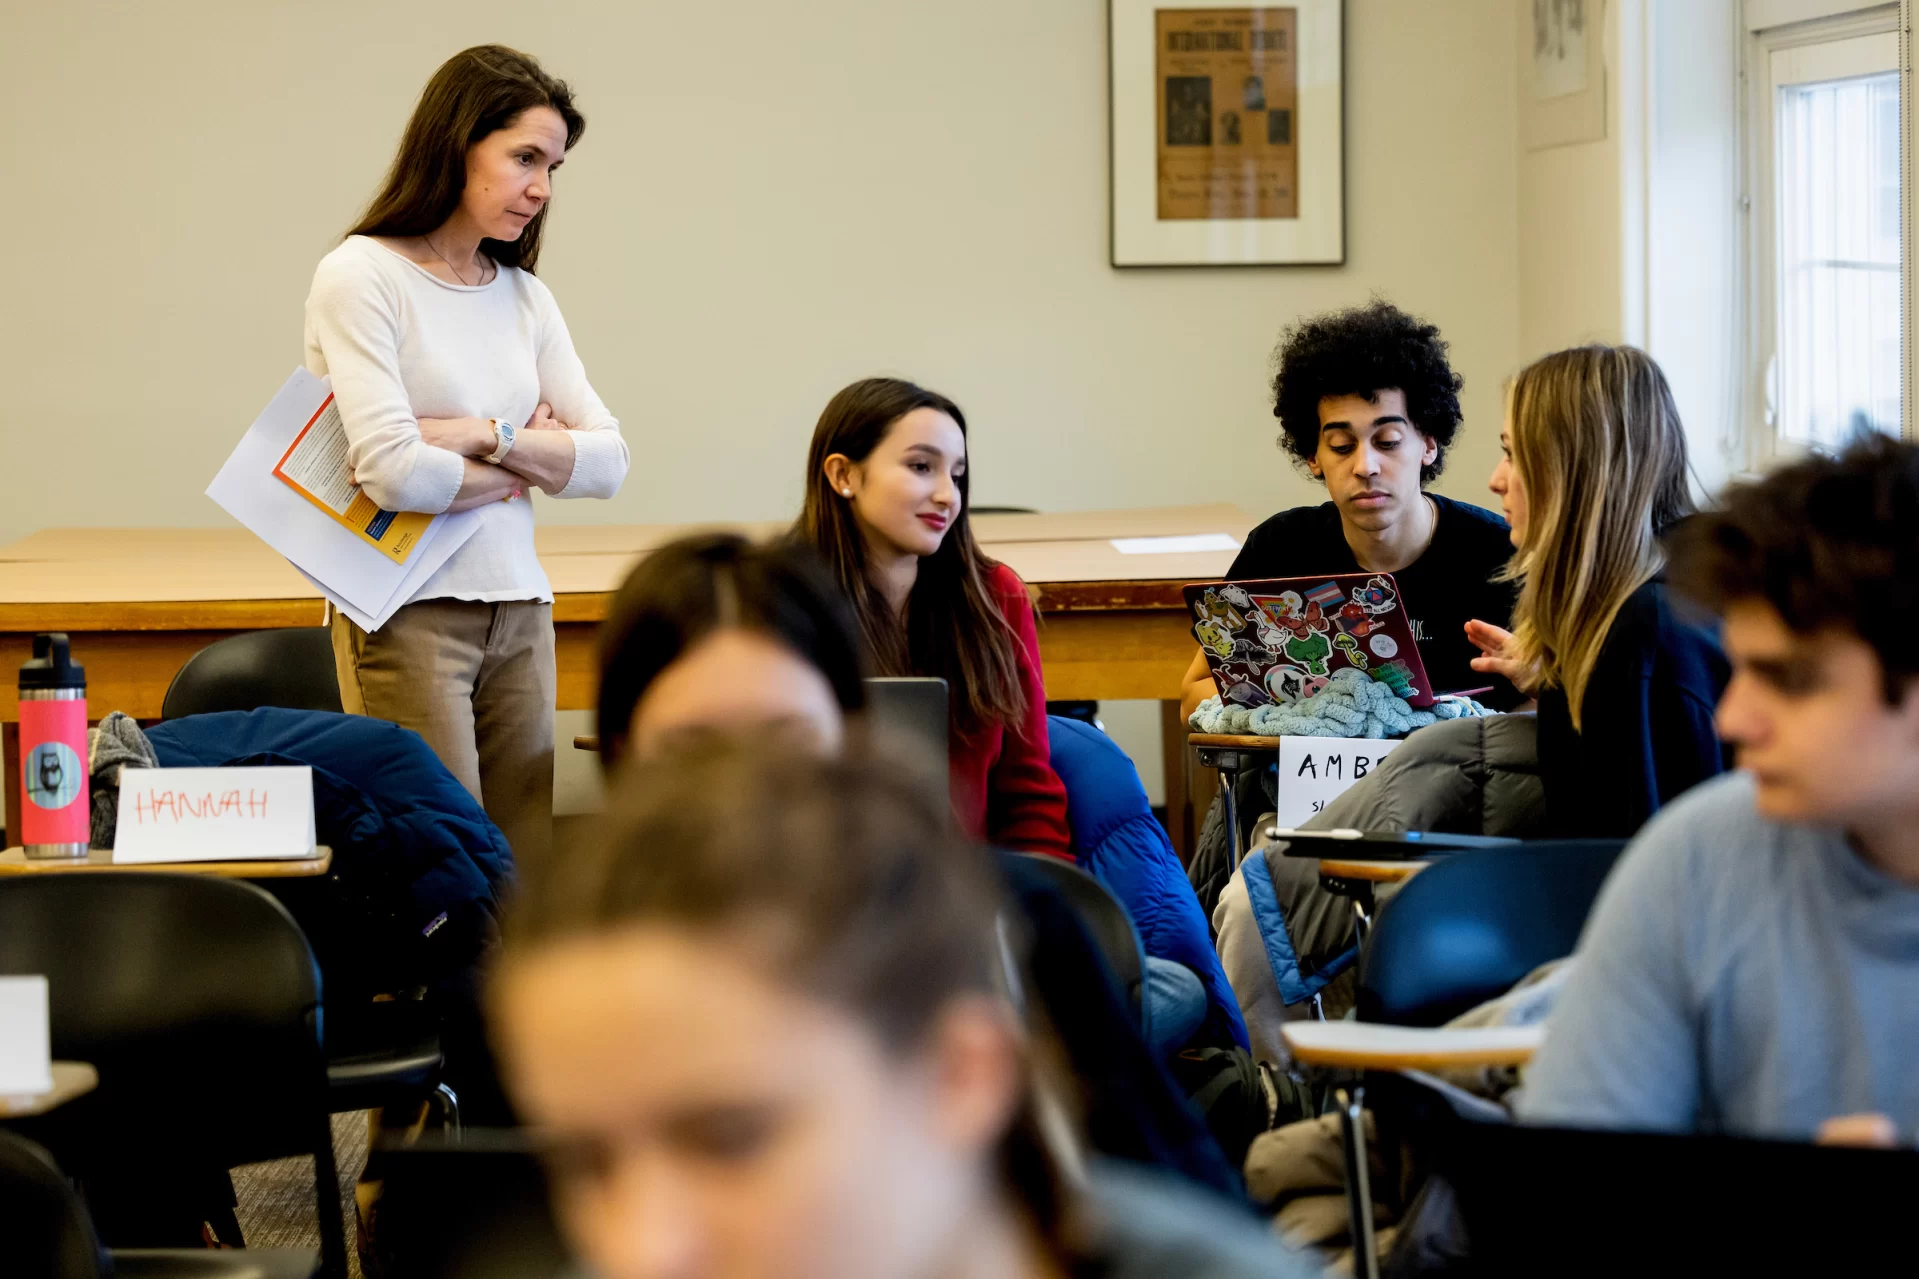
214, 814
349, 571
26, 1059
1184, 544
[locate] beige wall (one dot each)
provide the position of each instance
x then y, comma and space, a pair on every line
1571, 217
1637, 237
771, 199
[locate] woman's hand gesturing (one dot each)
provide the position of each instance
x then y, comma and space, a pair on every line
1495, 644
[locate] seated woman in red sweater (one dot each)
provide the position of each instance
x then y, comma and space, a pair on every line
886, 497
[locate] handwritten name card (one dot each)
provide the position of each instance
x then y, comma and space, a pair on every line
214, 814
1315, 771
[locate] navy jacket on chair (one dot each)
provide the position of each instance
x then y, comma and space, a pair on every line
1118, 841
418, 868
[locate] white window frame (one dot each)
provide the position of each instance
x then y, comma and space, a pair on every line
1822, 33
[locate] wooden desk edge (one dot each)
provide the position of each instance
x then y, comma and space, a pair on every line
161, 615
71, 1079
26, 616
1361, 1059
1233, 741
1379, 872
14, 861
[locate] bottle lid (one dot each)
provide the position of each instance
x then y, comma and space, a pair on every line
50, 666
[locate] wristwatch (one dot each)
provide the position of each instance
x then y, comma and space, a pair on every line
503, 432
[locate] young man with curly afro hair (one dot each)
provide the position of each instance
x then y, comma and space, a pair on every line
1368, 404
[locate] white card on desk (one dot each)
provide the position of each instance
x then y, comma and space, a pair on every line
1315, 771
1183, 544
214, 814
26, 1065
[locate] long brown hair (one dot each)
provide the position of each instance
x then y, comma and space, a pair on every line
475, 92
876, 905
953, 626
1597, 444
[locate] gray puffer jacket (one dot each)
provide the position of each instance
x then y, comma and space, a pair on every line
1283, 939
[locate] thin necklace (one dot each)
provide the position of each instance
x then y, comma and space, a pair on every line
449, 265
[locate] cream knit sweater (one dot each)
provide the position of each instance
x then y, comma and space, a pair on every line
401, 344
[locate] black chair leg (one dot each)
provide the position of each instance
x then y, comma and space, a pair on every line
1227, 781
226, 1226
1359, 1197
448, 1102
326, 1197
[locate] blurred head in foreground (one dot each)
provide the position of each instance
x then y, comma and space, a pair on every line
714, 631
758, 1021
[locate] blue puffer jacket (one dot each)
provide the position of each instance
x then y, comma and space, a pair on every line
1118, 841
418, 869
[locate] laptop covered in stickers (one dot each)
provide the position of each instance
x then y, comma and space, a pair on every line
1281, 639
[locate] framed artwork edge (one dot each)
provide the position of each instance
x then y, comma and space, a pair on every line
1573, 118
1325, 229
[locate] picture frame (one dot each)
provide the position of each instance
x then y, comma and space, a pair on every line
1227, 132
1562, 73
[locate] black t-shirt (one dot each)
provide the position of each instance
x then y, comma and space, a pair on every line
1451, 584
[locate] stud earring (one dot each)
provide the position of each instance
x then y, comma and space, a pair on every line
846, 492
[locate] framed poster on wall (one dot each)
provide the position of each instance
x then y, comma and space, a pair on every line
1228, 133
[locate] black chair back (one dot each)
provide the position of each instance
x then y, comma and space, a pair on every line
1469, 926
198, 1001
43, 1225
1105, 919
477, 1209
291, 668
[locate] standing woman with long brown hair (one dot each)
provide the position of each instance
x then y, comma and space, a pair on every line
886, 506
457, 383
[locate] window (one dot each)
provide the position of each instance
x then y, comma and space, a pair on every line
1827, 255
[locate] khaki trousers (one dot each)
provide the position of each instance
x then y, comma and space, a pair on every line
476, 680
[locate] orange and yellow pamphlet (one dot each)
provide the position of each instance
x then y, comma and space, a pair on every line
315, 467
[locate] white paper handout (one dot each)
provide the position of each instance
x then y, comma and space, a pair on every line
1181, 544
453, 532
214, 814
351, 571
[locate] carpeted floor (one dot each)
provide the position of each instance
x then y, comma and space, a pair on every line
276, 1199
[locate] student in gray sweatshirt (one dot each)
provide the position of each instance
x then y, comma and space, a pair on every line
1752, 966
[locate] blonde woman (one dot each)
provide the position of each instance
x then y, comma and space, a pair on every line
1593, 477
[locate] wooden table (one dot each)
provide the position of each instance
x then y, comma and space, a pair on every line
70, 1079
1359, 1045
14, 861
139, 602
1370, 872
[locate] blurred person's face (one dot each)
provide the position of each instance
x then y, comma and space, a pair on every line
1370, 455
1809, 717
738, 679
905, 495
703, 1119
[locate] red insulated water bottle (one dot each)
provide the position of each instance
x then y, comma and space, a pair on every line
53, 752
